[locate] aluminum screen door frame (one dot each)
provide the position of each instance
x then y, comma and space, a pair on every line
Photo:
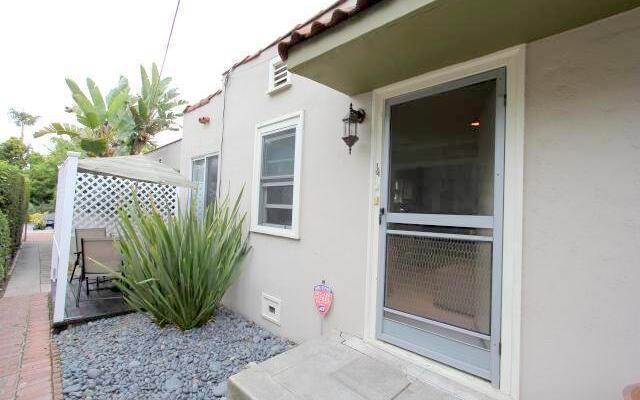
445, 348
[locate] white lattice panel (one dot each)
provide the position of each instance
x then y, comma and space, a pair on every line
99, 197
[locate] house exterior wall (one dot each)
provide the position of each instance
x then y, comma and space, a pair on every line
581, 220
581, 217
201, 139
169, 154
334, 200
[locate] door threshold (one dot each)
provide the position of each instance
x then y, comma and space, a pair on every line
433, 373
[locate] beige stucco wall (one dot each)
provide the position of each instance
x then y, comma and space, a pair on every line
333, 211
169, 154
201, 139
581, 324
580, 318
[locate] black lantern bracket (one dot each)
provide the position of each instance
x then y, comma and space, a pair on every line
351, 122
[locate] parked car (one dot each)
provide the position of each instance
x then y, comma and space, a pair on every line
49, 220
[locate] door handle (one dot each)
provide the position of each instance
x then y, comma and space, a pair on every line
380, 215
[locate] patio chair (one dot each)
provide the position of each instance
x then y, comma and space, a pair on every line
85, 233
100, 259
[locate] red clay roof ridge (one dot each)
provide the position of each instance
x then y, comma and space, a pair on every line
290, 32
337, 12
202, 102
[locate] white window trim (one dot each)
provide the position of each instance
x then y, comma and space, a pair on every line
272, 66
204, 157
514, 60
296, 120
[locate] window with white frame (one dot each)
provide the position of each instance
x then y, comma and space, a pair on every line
277, 176
279, 77
204, 172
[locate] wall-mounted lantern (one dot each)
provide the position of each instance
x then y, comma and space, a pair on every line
351, 121
204, 120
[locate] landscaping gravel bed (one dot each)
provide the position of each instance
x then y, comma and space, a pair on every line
129, 357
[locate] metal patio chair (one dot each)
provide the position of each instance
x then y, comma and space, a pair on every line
85, 233
100, 259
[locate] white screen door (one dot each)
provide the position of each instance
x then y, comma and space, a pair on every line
441, 221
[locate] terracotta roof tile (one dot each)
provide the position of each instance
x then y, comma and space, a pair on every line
201, 103
339, 11
332, 16
293, 31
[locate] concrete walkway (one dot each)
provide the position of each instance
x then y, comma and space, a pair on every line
345, 368
31, 272
26, 366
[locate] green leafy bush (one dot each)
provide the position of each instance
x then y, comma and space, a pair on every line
5, 246
44, 208
14, 200
179, 269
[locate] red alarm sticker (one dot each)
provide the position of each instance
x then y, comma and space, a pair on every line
323, 297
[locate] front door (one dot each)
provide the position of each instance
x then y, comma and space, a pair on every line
441, 223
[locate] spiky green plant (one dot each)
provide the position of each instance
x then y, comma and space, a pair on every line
178, 269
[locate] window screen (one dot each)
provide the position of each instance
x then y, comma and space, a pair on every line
442, 152
276, 179
197, 176
212, 180
204, 172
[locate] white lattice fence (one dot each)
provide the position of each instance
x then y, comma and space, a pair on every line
99, 197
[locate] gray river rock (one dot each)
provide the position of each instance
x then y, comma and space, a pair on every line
129, 357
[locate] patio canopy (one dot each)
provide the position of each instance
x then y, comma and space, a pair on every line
89, 195
139, 168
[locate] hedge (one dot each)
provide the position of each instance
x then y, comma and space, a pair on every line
5, 246
14, 201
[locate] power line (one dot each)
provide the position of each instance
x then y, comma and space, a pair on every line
166, 50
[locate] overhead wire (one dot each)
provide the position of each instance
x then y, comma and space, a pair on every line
166, 49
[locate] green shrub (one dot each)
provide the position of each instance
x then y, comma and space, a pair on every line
179, 269
5, 246
44, 208
14, 200
37, 220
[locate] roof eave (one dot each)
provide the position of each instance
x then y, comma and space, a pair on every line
397, 40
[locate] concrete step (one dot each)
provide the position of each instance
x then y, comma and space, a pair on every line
343, 367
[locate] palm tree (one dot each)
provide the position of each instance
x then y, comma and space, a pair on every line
22, 119
152, 109
104, 122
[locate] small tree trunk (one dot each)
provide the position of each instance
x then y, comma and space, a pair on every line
136, 147
138, 143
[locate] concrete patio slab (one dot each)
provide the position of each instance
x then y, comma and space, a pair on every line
343, 367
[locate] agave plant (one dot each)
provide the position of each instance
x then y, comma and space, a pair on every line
153, 109
178, 269
103, 121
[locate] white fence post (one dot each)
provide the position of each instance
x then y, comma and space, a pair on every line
63, 226
58, 216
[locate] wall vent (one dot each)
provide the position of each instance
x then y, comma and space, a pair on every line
271, 308
279, 77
